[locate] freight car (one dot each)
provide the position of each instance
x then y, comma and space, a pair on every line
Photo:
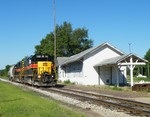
35, 70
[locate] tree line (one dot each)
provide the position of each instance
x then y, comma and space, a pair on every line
69, 42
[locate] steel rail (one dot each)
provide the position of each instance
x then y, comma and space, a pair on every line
121, 100
131, 109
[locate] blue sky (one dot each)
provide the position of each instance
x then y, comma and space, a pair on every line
23, 23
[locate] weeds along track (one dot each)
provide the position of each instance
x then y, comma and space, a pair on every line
127, 106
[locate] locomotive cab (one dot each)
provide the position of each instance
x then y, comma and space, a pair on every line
43, 70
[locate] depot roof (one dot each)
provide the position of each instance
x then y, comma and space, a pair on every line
124, 58
76, 57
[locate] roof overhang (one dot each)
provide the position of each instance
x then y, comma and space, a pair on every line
123, 60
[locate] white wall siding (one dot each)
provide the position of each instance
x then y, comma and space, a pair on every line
91, 59
72, 72
122, 74
84, 72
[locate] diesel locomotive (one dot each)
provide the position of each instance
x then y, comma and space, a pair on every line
35, 70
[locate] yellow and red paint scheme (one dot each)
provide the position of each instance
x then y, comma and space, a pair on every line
37, 69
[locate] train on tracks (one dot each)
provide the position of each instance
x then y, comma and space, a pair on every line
36, 70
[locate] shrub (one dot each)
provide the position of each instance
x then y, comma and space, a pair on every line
68, 82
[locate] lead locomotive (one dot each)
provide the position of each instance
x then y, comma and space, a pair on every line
36, 70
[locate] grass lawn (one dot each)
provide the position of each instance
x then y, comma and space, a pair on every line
15, 102
138, 79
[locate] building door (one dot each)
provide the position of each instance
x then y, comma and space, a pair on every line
105, 75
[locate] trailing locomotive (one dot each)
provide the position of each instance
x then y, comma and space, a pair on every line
36, 70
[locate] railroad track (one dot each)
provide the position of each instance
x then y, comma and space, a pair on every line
128, 106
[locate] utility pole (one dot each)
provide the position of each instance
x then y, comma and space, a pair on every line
54, 12
129, 47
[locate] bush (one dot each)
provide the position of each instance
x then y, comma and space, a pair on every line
68, 82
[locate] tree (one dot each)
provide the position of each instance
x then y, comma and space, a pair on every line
4, 72
147, 57
69, 41
46, 45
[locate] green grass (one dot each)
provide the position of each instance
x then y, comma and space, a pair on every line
117, 88
138, 79
15, 102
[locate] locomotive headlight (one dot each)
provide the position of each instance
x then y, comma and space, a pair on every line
39, 76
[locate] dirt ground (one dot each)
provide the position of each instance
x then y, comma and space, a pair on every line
143, 99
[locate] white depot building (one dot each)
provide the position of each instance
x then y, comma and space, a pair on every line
100, 65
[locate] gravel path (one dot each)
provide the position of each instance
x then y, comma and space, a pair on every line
94, 110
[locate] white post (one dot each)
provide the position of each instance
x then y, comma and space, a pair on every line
117, 78
116, 69
131, 70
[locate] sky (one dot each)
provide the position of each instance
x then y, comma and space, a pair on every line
23, 24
